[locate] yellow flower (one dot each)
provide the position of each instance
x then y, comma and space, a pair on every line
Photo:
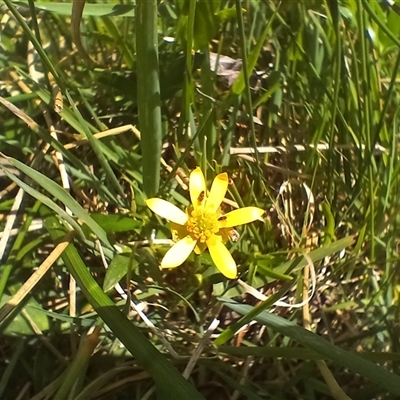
203, 225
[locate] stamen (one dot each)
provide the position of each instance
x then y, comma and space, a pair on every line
202, 224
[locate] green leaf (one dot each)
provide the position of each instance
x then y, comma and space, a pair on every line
226, 14
205, 24
19, 325
117, 270
112, 223
86, 321
90, 10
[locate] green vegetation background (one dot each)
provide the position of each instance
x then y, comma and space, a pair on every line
108, 103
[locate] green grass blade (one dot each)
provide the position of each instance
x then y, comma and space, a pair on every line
97, 150
229, 332
17, 245
12, 365
45, 58
316, 255
149, 93
369, 370
90, 10
59, 193
164, 374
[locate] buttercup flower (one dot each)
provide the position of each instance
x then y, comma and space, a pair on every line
203, 225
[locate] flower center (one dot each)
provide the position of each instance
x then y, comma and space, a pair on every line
202, 224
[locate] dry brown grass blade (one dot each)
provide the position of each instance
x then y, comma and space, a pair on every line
35, 277
19, 113
76, 18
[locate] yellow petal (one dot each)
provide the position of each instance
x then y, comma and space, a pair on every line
222, 257
167, 210
197, 187
178, 253
217, 192
178, 231
242, 216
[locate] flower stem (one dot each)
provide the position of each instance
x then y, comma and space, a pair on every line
197, 263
